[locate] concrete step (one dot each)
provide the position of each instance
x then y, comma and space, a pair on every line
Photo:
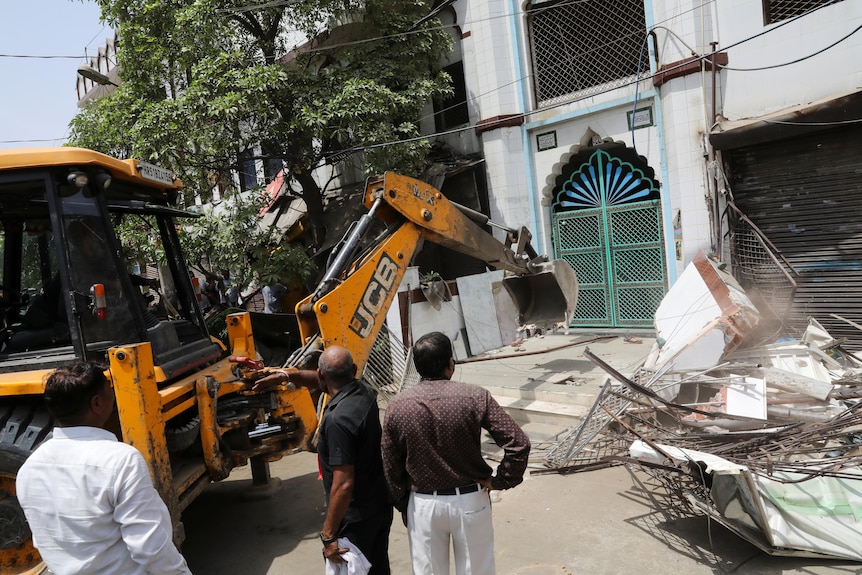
535, 411
542, 436
582, 394
541, 432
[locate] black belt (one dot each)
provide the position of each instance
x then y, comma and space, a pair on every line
471, 488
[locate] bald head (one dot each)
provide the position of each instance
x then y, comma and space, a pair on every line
336, 366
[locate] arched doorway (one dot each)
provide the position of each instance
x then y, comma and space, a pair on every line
606, 217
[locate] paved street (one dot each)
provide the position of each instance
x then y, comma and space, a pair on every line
599, 522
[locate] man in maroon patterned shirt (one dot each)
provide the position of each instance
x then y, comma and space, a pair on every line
434, 467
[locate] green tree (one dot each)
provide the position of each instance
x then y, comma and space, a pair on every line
238, 243
206, 81
227, 237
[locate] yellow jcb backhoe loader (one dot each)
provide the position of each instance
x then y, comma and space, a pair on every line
66, 293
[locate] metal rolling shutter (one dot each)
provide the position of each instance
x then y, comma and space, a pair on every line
805, 194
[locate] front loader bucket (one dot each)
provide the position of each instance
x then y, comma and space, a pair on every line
547, 296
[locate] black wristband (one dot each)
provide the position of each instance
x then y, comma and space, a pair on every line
327, 541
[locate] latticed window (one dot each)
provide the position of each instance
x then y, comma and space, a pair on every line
778, 10
584, 47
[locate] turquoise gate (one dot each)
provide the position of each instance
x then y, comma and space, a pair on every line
607, 223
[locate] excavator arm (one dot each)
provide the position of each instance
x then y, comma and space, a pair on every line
349, 306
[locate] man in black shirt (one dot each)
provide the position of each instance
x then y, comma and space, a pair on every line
349, 448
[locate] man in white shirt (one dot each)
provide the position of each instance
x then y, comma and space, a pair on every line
88, 498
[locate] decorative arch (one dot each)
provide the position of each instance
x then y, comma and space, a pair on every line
606, 217
590, 138
612, 174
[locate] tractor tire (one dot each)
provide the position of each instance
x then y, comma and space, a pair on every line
181, 437
23, 427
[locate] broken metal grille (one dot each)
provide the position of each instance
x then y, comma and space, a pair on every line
584, 47
778, 10
579, 446
390, 365
803, 198
673, 491
759, 270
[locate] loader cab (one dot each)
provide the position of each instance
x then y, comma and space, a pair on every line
67, 289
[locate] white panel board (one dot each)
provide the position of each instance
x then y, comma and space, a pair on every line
480, 313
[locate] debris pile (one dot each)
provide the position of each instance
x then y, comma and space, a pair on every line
763, 435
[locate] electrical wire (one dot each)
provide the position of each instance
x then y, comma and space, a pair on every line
677, 36
539, 110
31, 141
835, 123
636, 81
703, 57
478, 20
793, 61
33, 56
251, 7
637, 89
473, 22
93, 39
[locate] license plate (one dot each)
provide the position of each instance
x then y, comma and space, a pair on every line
155, 173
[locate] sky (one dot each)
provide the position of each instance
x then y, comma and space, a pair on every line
38, 99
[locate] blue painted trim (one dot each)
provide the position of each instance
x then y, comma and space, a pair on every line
591, 110
536, 207
667, 212
534, 204
515, 30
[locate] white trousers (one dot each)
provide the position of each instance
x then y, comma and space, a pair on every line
465, 520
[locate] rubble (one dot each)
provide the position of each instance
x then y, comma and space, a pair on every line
763, 435
704, 316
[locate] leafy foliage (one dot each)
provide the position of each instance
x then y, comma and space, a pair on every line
204, 81
230, 238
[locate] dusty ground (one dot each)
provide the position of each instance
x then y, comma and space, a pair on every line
596, 523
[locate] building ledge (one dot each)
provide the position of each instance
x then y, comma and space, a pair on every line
687, 67
502, 121
787, 123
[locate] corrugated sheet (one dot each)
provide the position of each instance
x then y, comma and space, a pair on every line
805, 194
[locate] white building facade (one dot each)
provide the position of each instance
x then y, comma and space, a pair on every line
620, 131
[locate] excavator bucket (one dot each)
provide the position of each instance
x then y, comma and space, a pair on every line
549, 295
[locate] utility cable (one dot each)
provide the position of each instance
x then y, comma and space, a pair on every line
33, 56
529, 13
803, 58
592, 95
539, 109
31, 141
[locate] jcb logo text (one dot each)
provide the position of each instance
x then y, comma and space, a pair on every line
375, 294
